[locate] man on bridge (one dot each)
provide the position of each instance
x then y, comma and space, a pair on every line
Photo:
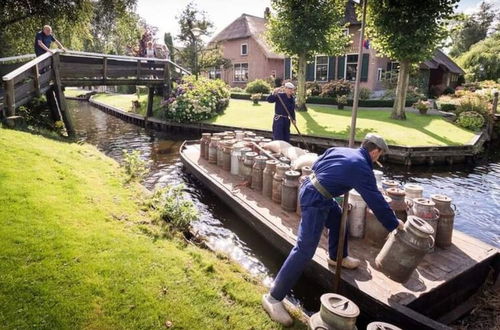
43, 39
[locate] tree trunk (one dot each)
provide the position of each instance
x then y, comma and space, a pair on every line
301, 88
398, 111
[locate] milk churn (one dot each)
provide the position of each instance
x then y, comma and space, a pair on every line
235, 153
375, 232
413, 191
205, 138
425, 209
389, 184
356, 215
241, 160
381, 326
289, 191
267, 178
378, 176
398, 203
336, 312
446, 219
306, 171
226, 155
405, 248
247, 166
212, 150
277, 180
266, 140
250, 134
239, 135
285, 160
257, 172
220, 152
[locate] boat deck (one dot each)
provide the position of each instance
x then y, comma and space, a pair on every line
436, 269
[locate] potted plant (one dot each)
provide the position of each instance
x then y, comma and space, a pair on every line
256, 98
421, 106
341, 101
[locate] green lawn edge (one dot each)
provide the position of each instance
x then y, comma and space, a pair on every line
79, 251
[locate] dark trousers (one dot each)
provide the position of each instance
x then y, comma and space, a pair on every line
313, 221
281, 128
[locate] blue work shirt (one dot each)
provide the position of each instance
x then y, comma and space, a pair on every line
46, 40
278, 108
342, 169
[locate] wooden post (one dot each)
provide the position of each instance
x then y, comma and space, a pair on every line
495, 103
36, 79
151, 91
10, 98
138, 69
66, 116
167, 82
105, 69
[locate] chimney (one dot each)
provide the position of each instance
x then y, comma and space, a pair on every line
267, 13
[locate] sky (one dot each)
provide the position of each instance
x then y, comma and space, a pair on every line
162, 13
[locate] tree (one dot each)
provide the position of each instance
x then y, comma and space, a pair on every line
471, 29
167, 38
212, 58
409, 32
191, 17
302, 29
482, 61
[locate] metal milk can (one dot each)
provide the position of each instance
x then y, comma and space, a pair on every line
389, 184
446, 218
289, 188
377, 325
239, 135
398, 203
277, 180
336, 312
220, 152
306, 171
248, 165
425, 209
267, 177
378, 176
241, 160
356, 215
235, 153
375, 232
413, 191
258, 171
405, 248
205, 140
226, 155
212, 150
285, 160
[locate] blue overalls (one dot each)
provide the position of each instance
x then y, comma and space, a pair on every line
281, 122
338, 170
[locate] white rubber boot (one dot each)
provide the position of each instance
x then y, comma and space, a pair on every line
276, 310
347, 262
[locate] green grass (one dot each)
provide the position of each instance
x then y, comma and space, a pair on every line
328, 121
74, 92
78, 251
124, 102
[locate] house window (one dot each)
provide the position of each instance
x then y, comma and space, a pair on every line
321, 72
351, 67
244, 49
394, 66
379, 74
214, 73
241, 72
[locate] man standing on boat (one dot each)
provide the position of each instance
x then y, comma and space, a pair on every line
335, 172
282, 115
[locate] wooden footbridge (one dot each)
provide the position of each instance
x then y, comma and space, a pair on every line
27, 76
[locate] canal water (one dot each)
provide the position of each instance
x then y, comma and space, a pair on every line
474, 189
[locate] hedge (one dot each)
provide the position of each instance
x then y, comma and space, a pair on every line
447, 107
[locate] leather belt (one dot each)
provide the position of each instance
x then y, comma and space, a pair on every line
319, 187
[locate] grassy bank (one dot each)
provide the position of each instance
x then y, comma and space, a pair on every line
328, 121
124, 102
79, 251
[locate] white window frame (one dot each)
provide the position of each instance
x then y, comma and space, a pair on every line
327, 66
345, 64
346, 31
379, 74
234, 72
241, 49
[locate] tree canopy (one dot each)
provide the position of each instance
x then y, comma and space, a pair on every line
482, 60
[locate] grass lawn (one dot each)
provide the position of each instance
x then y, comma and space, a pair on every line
78, 251
124, 102
322, 120
74, 92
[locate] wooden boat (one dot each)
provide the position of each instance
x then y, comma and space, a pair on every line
440, 291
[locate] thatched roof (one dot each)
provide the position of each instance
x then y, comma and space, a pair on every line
440, 58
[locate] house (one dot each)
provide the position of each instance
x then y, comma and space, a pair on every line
243, 43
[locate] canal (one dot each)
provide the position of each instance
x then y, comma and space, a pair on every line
475, 190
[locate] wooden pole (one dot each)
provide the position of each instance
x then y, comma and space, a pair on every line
36, 79
151, 91
166, 82
495, 103
10, 98
66, 116
345, 204
104, 68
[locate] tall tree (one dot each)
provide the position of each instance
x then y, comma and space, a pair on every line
409, 32
482, 61
472, 28
191, 17
167, 38
302, 29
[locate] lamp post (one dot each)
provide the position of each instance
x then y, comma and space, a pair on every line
196, 31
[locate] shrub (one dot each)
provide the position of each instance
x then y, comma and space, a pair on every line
447, 107
472, 102
258, 86
471, 120
278, 82
336, 88
195, 100
237, 90
313, 88
364, 93
256, 98
471, 86
448, 90
342, 100
421, 106
136, 168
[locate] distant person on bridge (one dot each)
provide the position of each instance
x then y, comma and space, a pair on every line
282, 116
335, 172
44, 39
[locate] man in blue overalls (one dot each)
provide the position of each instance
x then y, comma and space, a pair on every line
281, 120
44, 39
335, 172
